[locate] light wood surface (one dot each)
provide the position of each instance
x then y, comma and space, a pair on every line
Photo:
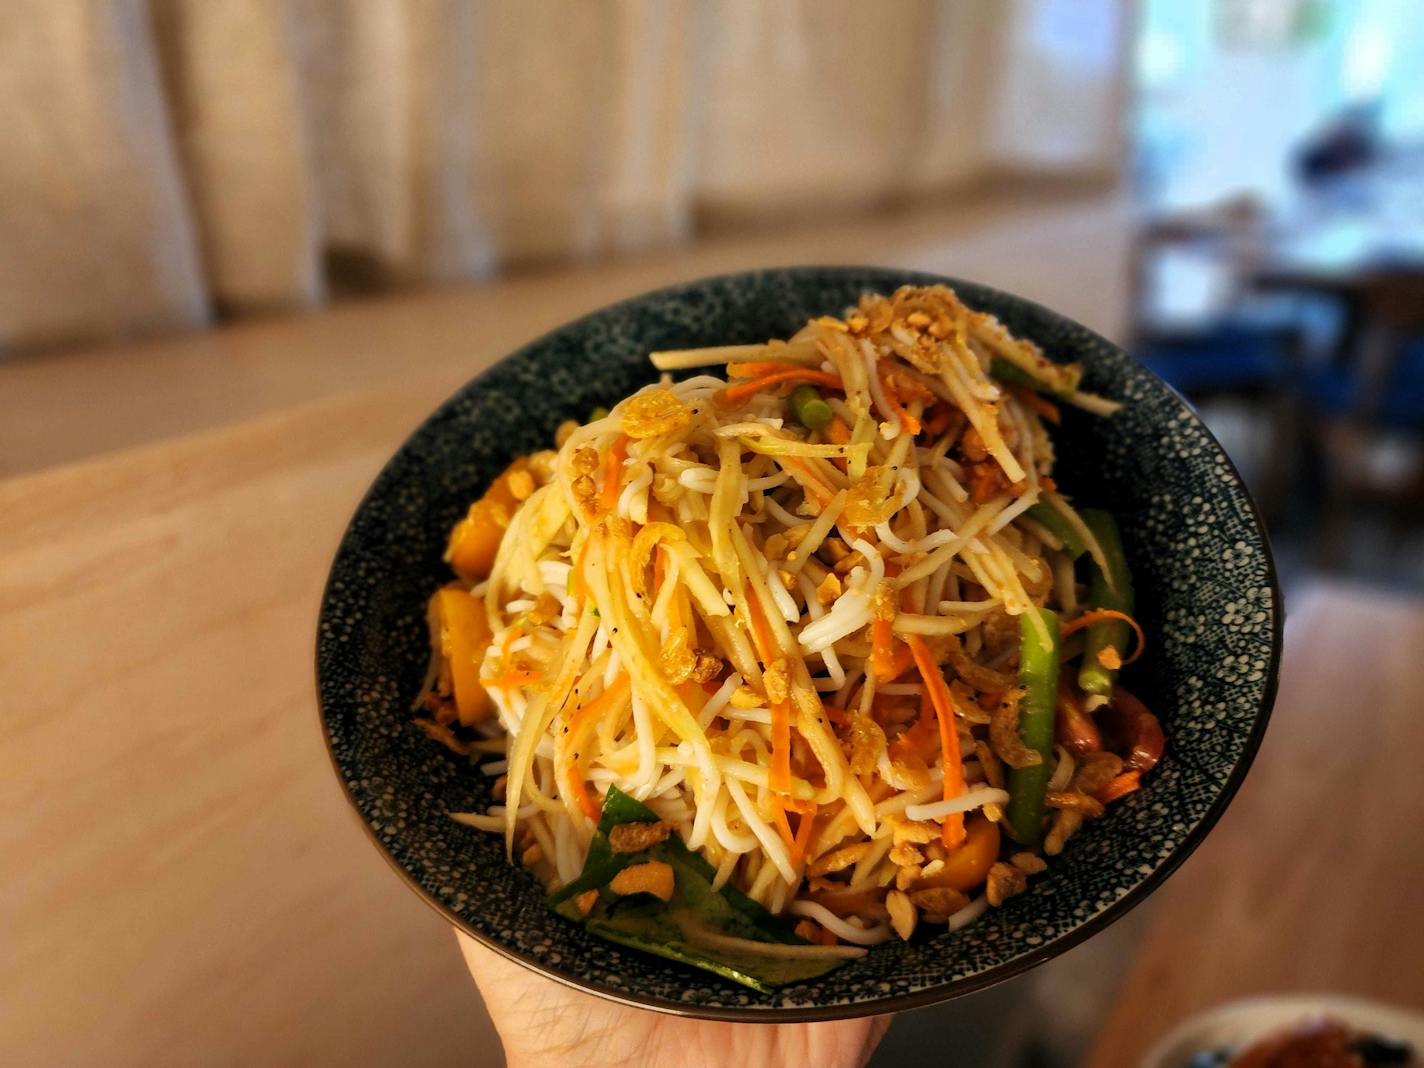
1314, 879
181, 881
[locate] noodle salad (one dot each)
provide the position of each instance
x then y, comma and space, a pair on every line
773, 667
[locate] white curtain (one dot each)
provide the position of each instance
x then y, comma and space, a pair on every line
169, 160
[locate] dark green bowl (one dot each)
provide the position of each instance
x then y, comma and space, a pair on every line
1206, 593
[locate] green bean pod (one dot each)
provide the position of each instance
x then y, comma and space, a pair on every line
809, 408
1051, 520
1038, 676
1112, 590
1069, 374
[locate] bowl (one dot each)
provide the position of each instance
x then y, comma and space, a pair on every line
1237, 1024
1207, 595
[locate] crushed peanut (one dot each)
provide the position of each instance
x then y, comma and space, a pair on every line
1004, 882
839, 859
585, 901
745, 697
655, 877
1065, 824
902, 913
938, 903
829, 589
777, 679
1028, 863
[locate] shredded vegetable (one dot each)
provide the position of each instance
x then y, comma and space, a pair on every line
782, 613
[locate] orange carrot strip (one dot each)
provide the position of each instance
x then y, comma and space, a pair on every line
952, 827
578, 723
898, 665
1121, 786
838, 432
734, 395
1097, 615
892, 398
780, 777
805, 474
758, 368
778, 818
882, 654
613, 473
1037, 403
507, 680
803, 837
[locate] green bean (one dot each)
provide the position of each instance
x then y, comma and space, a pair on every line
1051, 519
1038, 676
809, 408
1005, 371
1112, 590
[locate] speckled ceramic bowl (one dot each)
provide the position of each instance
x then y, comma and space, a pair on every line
1206, 592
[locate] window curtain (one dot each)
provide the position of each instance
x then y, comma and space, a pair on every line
168, 161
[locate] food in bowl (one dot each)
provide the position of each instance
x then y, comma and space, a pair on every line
1315, 1042
775, 667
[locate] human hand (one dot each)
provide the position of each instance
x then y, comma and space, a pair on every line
544, 1024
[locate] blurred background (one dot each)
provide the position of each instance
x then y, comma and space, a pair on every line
237, 225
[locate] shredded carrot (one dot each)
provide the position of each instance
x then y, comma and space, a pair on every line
758, 368
509, 675
805, 474
1038, 403
508, 680
1121, 786
783, 826
892, 397
803, 836
578, 723
882, 656
900, 664
838, 432
780, 777
1097, 615
952, 827
613, 473
734, 395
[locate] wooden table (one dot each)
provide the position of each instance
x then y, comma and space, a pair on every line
1314, 879
181, 881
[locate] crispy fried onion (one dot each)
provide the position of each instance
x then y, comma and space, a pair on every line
985, 680
866, 741
869, 502
658, 411
1004, 734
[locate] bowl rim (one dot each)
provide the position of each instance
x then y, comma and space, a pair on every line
875, 1006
